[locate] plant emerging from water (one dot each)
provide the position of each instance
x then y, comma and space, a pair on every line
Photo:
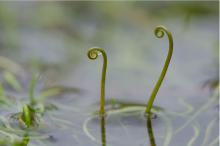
33, 110
93, 53
30, 112
159, 32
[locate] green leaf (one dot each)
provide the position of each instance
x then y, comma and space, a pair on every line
32, 88
12, 81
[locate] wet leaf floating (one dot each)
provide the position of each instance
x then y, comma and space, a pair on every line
93, 53
159, 32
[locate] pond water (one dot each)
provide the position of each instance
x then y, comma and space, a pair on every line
186, 106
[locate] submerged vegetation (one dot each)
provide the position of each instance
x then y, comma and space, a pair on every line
19, 128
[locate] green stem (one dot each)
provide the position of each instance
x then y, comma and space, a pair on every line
159, 32
32, 88
93, 54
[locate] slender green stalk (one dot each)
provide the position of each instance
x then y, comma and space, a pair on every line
159, 32
93, 54
32, 88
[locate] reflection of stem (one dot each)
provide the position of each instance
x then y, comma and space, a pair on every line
103, 130
102, 126
25, 140
150, 132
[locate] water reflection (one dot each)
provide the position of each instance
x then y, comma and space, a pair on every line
102, 124
150, 131
23, 142
148, 124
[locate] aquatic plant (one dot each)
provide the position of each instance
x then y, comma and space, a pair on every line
93, 53
32, 88
29, 111
34, 107
33, 111
159, 32
28, 116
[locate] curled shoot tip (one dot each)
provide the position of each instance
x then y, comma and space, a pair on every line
159, 33
93, 54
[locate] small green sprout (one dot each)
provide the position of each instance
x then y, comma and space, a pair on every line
159, 32
28, 115
30, 110
93, 53
32, 88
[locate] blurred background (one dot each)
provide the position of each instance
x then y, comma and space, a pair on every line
52, 39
